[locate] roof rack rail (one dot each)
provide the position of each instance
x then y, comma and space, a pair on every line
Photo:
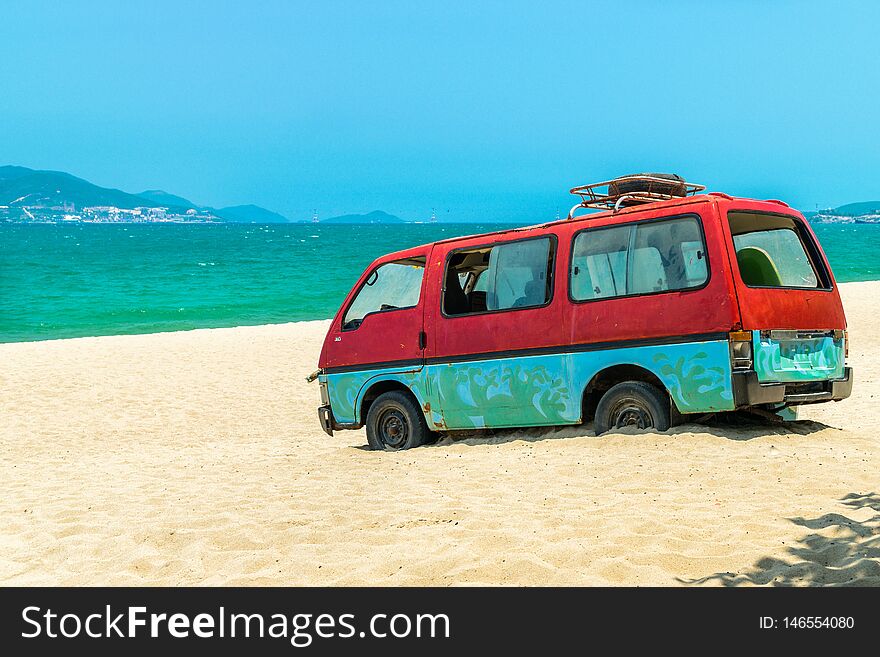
632, 190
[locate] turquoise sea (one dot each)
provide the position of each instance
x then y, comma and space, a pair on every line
72, 280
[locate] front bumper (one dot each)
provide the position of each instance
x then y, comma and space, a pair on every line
325, 417
748, 391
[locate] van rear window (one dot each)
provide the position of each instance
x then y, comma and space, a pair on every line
634, 259
773, 251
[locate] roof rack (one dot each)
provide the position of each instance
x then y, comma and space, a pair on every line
632, 190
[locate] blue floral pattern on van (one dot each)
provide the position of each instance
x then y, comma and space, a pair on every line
690, 380
502, 392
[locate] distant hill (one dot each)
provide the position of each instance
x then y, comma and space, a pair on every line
858, 209
28, 187
374, 217
9, 172
861, 212
35, 189
166, 199
251, 214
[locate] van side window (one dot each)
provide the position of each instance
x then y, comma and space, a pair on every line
501, 277
391, 286
599, 263
771, 251
639, 258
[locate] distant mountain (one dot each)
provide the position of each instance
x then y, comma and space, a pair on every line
20, 186
9, 172
166, 199
374, 217
40, 191
857, 209
859, 213
251, 214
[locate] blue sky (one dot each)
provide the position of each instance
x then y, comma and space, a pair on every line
482, 112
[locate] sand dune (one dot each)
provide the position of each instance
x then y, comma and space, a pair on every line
196, 458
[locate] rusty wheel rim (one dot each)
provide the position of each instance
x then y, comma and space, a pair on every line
393, 428
631, 413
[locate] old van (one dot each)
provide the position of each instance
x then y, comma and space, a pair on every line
666, 303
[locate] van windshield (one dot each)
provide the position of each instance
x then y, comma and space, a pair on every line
391, 286
772, 251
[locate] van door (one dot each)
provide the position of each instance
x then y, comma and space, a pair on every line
381, 323
377, 335
787, 297
494, 329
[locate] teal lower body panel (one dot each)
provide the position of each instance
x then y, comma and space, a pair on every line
548, 389
697, 375
542, 390
502, 392
798, 360
346, 390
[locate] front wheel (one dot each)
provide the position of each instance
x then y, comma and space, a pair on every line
395, 422
632, 404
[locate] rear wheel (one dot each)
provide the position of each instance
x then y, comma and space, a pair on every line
632, 404
395, 422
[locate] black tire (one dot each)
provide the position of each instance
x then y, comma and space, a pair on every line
395, 422
676, 186
632, 403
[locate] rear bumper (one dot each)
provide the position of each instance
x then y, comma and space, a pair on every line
748, 391
325, 417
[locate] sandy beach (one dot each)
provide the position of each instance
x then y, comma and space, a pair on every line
195, 458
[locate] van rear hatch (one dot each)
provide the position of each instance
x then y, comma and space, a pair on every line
795, 356
787, 298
